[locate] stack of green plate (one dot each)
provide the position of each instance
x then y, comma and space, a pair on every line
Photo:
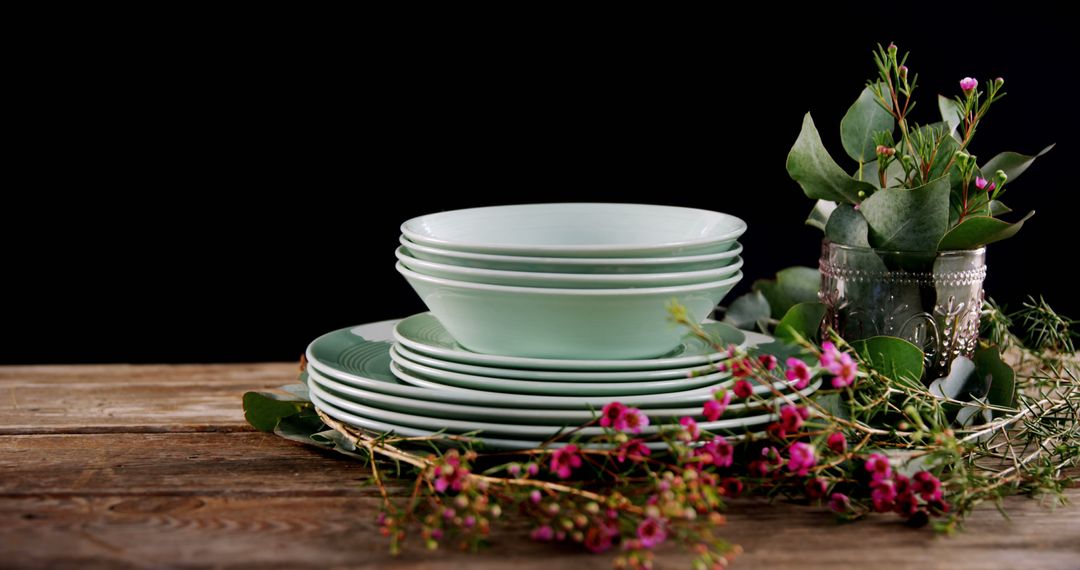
411, 378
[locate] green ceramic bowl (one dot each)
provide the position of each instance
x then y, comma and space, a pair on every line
578, 230
582, 324
598, 265
565, 280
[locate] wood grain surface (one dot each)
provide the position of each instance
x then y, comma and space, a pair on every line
154, 467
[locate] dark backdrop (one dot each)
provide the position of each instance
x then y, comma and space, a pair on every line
226, 192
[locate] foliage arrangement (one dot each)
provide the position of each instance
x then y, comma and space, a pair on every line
873, 440
916, 187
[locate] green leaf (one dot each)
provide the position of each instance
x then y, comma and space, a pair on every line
864, 118
264, 410
834, 404
810, 165
792, 286
804, 319
891, 356
748, 311
950, 113
980, 230
908, 220
848, 227
819, 216
1002, 391
1013, 163
959, 383
300, 426
998, 209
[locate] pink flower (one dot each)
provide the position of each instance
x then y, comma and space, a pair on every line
532, 469
837, 443
742, 368
719, 452
635, 420
844, 370
829, 354
612, 416
906, 505
651, 532
878, 466
791, 417
598, 537
635, 449
451, 474
743, 389
797, 372
839, 503
883, 496
535, 496
802, 458
968, 83
768, 361
715, 407
816, 488
732, 487
984, 184
927, 486
542, 533
565, 460
690, 428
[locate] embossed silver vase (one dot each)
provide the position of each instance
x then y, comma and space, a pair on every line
932, 300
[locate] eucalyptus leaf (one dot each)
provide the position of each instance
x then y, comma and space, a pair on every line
848, 227
864, 118
1013, 163
950, 114
980, 230
833, 404
893, 357
958, 383
908, 220
1002, 390
300, 426
791, 286
748, 312
803, 319
810, 165
298, 390
998, 209
264, 410
819, 216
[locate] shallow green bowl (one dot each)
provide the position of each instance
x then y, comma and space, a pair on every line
564, 323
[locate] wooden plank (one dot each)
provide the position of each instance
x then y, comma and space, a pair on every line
124, 398
252, 499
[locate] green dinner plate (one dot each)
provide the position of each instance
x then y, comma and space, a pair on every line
424, 333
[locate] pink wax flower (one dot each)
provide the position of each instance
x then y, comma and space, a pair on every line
816, 488
732, 487
802, 458
829, 354
690, 428
883, 496
451, 474
635, 420
797, 372
906, 505
612, 416
926, 485
843, 370
634, 449
968, 83
535, 497
715, 407
743, 389
542, 533
651, 532
839, 503
791, 417
719, 452
767, 361
984, 184
878, 466
742, 368
565, 460
837, 443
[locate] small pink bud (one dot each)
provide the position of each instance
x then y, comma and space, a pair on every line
903, 72
984, 184
968, 83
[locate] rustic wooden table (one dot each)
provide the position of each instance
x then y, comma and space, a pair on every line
153, 466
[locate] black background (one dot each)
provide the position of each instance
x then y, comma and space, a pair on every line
227, 191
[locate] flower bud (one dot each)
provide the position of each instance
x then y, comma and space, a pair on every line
962, 159
1001, 177
999, 82
903, 72
862, 194
892, 49
968, 84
